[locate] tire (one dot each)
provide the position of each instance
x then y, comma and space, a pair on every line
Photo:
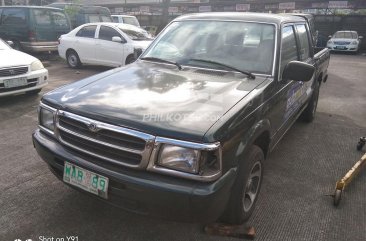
246, 188
72, 59
33, 92
130, 59
17, 45
308, 114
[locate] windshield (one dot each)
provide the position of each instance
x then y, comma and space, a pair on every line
136, 34
131, 20
351, 35
244, 46
3, 45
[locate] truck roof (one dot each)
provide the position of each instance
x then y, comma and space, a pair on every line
235, 16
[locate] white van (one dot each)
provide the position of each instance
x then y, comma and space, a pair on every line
127, 19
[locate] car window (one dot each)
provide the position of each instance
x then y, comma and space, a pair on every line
87, 31
106, 18
131, 20
59, 18
93, 18
107, 33
42, 16
288, 48
115, 19
13, 16
304, 41
351, 35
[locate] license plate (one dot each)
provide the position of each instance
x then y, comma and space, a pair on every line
86, 180
340, 47
10, 83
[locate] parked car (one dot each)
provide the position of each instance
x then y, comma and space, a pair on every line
127, 19
109, 44
33, 29
81, 14
348, 41
187, 127
20, 72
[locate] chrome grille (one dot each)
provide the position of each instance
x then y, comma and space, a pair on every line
341, 43
111, 143
13, 71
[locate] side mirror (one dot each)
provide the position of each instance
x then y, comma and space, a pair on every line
298, 71
360, 37
117, 39
11, 43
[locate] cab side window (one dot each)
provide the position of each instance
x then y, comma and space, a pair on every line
107, 33
13, 16
288, 48
304, 47
87, 31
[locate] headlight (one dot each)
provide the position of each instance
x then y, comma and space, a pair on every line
179, 158
36, 65
46, 118
354, 43
330, 42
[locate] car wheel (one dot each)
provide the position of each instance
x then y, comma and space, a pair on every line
130, 59
33, 92
72, 59
308, 114
246, 188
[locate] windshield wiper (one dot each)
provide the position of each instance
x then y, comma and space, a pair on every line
163, 61
250, 75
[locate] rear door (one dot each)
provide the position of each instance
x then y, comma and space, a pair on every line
84, 43
60, 22
14, 24
42, 25
109, 52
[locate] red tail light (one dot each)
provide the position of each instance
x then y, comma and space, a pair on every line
32, 36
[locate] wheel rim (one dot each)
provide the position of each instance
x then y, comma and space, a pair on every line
252, 186
73, 60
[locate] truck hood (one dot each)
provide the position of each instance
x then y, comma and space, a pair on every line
156, 98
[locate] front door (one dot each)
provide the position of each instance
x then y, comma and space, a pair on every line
109, 52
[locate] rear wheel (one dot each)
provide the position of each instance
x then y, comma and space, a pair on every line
309, 113
246, 188
73, 59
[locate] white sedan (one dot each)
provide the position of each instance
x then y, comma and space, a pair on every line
20, 72
109, 44
344, 41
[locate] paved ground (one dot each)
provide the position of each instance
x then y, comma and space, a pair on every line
293, 204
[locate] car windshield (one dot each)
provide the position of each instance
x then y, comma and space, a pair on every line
135, 33
241, 45
3, 45
351, 35
131, 20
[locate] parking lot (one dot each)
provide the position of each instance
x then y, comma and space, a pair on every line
294, 203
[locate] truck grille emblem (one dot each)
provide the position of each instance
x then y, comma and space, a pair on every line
93, 127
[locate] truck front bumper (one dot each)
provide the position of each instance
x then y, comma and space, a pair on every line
146, 193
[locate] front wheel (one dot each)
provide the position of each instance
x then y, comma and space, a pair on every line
246, 188
130, 59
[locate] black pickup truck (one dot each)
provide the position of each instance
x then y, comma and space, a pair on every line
183, 132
